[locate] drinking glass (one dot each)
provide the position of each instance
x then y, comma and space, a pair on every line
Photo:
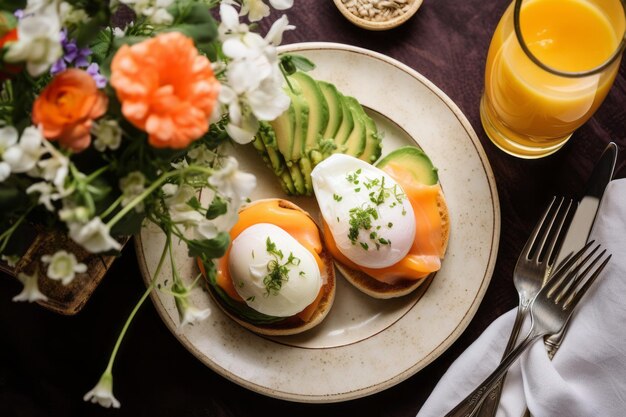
550, 65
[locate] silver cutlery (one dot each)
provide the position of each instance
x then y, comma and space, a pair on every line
549, 310
533, 266
576, 236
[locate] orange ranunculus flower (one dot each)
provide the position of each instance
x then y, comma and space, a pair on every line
166, 89
66, 108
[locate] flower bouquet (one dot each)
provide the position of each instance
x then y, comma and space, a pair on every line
116, 114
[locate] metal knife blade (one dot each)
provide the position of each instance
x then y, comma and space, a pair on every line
580, 226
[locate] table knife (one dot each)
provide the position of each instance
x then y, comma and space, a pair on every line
581, 224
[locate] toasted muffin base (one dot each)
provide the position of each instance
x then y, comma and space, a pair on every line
290, 325
378, 289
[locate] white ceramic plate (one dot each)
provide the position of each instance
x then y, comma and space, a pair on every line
364, 345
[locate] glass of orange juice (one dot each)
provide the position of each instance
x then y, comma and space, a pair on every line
550, 65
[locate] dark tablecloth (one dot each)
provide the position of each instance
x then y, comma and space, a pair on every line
47, 361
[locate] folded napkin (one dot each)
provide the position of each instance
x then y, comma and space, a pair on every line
587, 377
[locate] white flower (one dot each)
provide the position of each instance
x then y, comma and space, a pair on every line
54, 168
232, 183
8, 138
179, 209
154, 10
94, 236
108, 134
46, 192
71, 15
30, 292
202, 155
102, 393
132, 186
39, 42
275, 34
63, 266
253, 88
11, 260
257, 9
205, 230
71, 213
187, 312
23, 156
119, 32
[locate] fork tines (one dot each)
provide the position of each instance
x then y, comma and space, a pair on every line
569, 282
543, 242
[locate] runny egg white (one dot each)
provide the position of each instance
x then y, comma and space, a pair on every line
367, 212
272, 271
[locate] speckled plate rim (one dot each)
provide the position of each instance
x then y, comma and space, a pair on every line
343, 394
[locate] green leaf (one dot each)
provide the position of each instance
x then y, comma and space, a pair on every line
209, 248
194, 203
240, 309
291, 63
194, 20
129, 225
217, 208
102, 45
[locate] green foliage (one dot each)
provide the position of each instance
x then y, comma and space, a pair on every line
209, 248
290, 63
194, 20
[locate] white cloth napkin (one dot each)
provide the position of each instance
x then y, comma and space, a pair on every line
587, 377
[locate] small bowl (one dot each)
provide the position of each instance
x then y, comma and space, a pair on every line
382, 24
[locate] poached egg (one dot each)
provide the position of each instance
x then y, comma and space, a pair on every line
272, 271
366, 210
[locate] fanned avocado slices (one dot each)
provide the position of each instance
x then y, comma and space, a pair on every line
320, 121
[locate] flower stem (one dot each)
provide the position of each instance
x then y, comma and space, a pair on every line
156, 184
96, 174
130, 318
112, 207
6, 236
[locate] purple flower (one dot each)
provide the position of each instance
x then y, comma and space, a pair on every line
19, 14
94, 70
72, 55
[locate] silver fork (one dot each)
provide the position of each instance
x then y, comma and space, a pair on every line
549, 311
533, 266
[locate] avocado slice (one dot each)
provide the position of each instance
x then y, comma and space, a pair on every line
317, 121
335, 111
355, 142
283, 127
416, 161
266, 138
373, 142
347, 123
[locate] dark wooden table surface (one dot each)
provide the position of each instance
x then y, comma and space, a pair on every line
47, 361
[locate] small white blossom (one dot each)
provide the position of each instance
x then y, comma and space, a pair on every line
179, 209
63, 266
11, 260
275, 35
154, 10
187, 312
205, 230
30, 292
202, 155
253, 88
132, 186
46, 192
39, 42
54, 168
108, 134
257, 9
94, 236
8, 138
102, 393
23, 156
71, 15
71, 213
233, 183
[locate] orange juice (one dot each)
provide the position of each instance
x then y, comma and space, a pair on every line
529, 111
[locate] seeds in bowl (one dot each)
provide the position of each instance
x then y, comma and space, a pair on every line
378, 10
